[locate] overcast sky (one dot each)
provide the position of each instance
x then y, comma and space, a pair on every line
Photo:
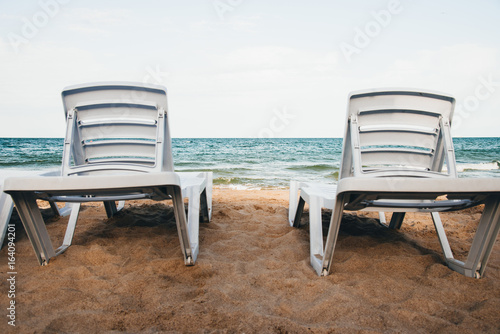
249, 68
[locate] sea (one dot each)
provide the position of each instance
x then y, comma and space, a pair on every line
251, 163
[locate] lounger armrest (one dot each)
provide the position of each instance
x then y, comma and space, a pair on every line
90, 183
192, 179
409, 185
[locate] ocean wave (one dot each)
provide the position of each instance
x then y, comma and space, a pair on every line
30, 164
232, 180
484, 166
222, 171
315, 168
250, 183
334, 175
238, 183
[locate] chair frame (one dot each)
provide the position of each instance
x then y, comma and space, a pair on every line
398, 189
112, 179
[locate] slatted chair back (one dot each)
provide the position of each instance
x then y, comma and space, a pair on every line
398, 132
114, 127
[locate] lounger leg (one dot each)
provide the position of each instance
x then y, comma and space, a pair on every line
193, 218
182, 229
292, 201
55, 208
110, 207
298, 213
484, 239
6, 207
121, 205
397, 220
208, 192
295, 209
205, 214
443, 240
482, 244
381, 218
34, 225
70, 229
323, 266
315, 229
64, 211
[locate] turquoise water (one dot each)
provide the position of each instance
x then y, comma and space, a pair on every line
253, 163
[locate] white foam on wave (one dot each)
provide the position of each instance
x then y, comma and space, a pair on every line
478, 166
237, 186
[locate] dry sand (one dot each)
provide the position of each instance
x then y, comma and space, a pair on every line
253, 275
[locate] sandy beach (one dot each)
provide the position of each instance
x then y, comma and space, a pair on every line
126, 274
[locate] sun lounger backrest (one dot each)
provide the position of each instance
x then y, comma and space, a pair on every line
398, 132
116, 126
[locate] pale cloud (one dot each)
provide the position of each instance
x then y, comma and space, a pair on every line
97, 22
4, 16
276, 57
100, 16
454, 69
33, 80
455, 60
40, 67
242, 89
247, 24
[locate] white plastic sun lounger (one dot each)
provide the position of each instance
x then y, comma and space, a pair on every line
117, 147
395, 145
